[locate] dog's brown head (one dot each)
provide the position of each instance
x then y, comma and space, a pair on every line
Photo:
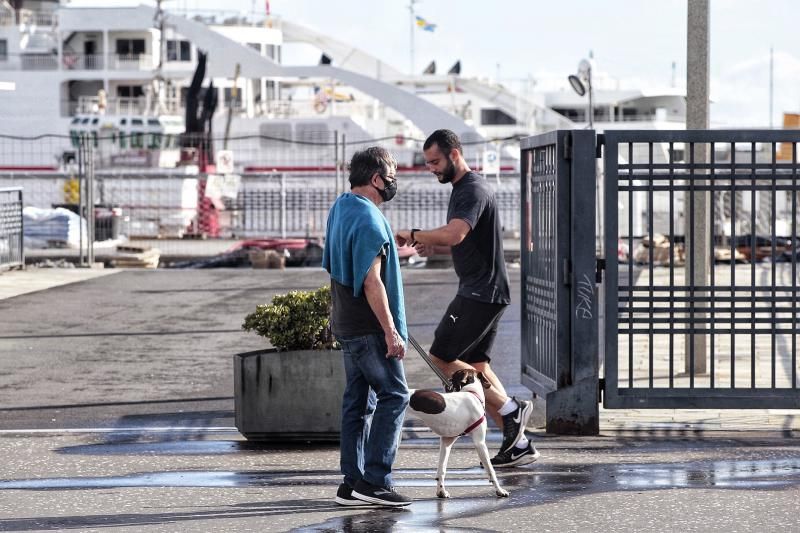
466, 376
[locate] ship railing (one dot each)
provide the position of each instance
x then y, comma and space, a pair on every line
217, 17
33, 62
311, 107
131, 62
122, 105
28, 17
83, 61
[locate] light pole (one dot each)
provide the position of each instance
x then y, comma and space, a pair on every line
577, 81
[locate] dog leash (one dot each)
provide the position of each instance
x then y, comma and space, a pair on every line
424, 355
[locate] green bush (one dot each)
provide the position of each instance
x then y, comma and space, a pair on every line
298, 320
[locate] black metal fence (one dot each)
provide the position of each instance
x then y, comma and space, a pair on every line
12, 252
702, 309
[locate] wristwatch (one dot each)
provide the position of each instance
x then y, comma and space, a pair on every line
413, 240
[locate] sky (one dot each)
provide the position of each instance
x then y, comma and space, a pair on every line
633, 43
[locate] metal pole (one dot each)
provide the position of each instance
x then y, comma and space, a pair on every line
771, 86
412, 23
344, 162
697, 118
336, 158
283, 205
90, 207
591, 102
81, 167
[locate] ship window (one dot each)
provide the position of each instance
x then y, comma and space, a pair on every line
255, 46
155, 141
153, 122
130, 47
137, 140
571, 113
76, 120
137, 122
123, 121
95, 120
496, 117
3, 49
122, 140
85, 121
130, 91
179, 50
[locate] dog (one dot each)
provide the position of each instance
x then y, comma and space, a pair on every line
454, 414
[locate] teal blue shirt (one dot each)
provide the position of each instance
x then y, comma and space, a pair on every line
357, 233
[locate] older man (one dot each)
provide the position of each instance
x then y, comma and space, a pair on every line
368, 319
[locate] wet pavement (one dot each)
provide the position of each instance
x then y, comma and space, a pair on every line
116, 414
212, 480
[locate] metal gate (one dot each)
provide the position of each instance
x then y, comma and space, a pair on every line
559, 307
12, 252
702, 306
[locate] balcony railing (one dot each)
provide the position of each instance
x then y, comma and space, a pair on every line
28, 18
37, 18
310, 107
131, 62
83, 61
123, 106
33, 62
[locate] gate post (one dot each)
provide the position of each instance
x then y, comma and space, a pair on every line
573, 408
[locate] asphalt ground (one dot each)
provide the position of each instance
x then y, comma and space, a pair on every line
116, 413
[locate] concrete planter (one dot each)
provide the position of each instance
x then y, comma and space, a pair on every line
294, 395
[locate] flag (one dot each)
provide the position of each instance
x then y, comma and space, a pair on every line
425, 25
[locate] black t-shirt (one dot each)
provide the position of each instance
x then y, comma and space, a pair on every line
351, 316
479, 260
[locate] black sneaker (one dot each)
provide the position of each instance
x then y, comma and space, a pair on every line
515, 456
514, 423
379, 495
344, 496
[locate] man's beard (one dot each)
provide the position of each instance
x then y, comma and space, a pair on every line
448, 174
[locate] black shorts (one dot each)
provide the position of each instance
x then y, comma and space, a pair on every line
467, 331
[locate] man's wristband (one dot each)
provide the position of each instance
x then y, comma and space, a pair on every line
413, 240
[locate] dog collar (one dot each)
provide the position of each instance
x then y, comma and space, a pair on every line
481, 419
478, 397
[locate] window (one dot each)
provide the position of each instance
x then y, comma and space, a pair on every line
178, 50
3, 50
130, 91
577, 115
130, 47
496, 117
255, 46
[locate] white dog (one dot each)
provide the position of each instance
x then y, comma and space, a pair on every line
453, 414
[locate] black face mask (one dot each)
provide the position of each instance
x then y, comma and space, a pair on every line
388, 191
449, 172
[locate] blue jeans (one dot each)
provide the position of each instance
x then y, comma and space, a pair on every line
373, 408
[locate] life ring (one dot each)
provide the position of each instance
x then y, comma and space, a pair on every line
320, 106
